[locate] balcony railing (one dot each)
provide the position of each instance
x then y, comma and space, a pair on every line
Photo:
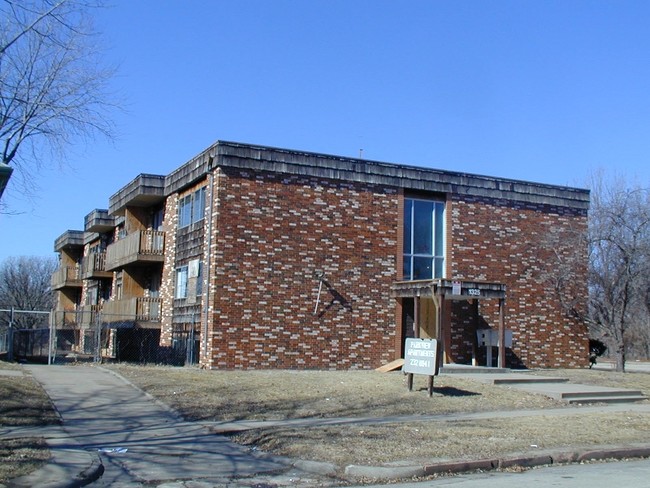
64, 318
140, 247
140, 309
87, 314
66, 276
94, 266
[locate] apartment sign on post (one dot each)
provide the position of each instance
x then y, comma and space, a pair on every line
421, 356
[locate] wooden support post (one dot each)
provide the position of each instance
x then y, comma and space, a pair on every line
416, 317
475, 340
501, 363
444, 331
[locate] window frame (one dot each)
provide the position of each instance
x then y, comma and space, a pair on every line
180, 283
191, 208
437, 223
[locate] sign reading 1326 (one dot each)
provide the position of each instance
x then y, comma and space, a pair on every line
421, 356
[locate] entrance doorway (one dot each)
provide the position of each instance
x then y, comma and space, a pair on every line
427, 303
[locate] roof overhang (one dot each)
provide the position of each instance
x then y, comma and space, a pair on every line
448, 289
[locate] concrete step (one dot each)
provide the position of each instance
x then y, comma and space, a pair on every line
576, 393
606, 399
525, 380
465, 369
603, 393
611, 395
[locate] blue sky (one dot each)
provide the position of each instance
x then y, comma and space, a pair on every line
546, 91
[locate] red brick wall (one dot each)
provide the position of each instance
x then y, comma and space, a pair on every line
273, 233
498, 242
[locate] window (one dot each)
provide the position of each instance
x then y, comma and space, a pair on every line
191, 208
424, 239
181, 282
189, 280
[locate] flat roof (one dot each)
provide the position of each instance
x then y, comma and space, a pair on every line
294, 162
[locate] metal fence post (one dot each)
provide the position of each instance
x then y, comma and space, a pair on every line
190, 343
51, 350
10, 336
98, 338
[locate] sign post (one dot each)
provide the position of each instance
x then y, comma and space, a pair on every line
421, 357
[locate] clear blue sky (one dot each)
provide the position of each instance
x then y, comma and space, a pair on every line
546, 91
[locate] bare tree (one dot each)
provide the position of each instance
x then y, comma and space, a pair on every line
53, 86
25, 285
619, 264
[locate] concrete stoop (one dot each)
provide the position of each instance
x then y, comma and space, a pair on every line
561, 389
613, 396
553, 387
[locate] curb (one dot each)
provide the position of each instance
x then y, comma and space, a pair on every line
356, 472
44, 478
90, 474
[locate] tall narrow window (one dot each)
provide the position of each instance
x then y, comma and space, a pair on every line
198, 205
181, 282
185, 211
424, 239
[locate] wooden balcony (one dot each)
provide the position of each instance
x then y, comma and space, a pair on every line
66, 276
140, 309
99, 221
139, 248
143, 191
70, 239
93, 266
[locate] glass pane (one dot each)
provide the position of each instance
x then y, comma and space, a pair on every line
184, 212
198, 205
439, 268
422, 268
407, 268
181, 282
423, 227
408, 207
440, 229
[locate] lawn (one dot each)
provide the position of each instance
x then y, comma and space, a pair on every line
220, 396
22, 403
276, 395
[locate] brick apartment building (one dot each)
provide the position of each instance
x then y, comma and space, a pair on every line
260, 257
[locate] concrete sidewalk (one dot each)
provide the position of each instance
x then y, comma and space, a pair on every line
116, 435
137, 439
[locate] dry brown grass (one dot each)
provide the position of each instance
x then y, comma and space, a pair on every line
281, 394
19, 457
427, 441
23, 402
275, 395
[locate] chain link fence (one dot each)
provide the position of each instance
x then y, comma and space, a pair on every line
94, 336
24, 334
